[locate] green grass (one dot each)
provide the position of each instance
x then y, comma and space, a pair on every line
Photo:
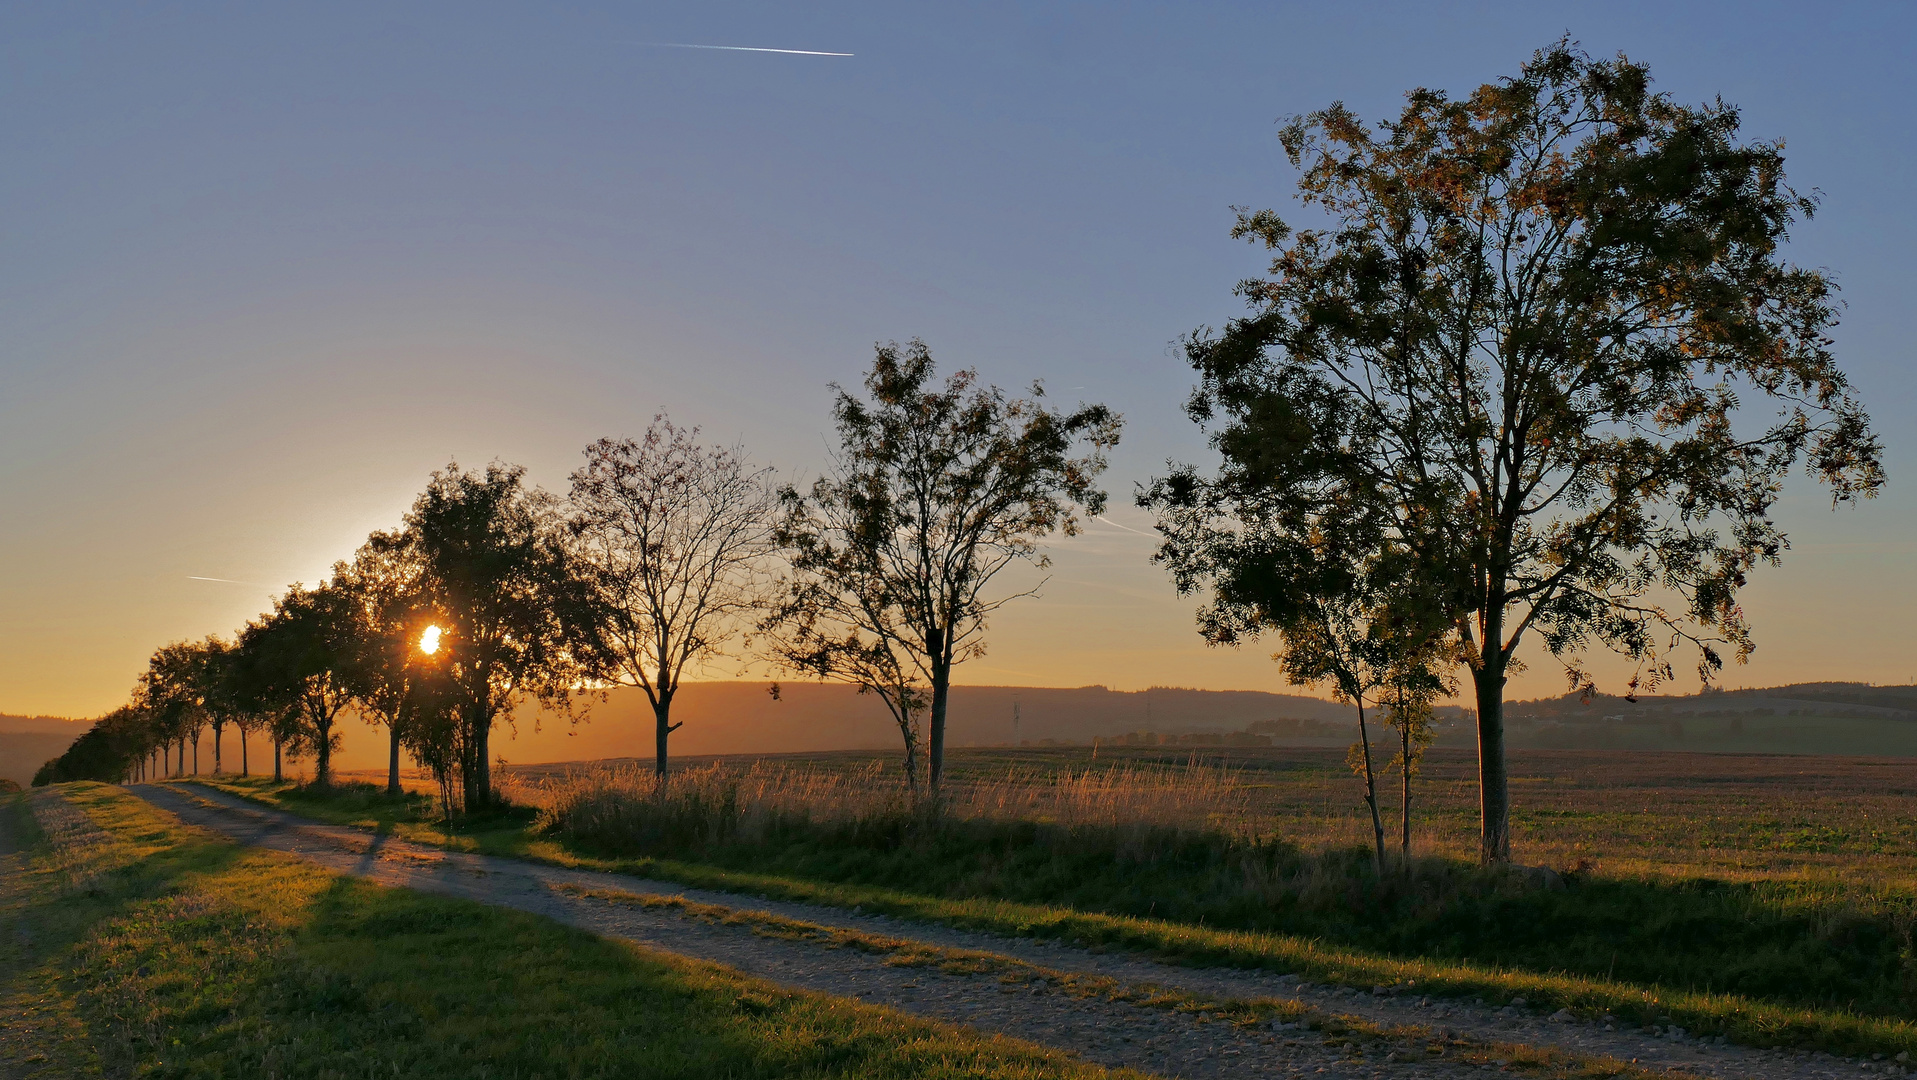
170, 954
1714, 913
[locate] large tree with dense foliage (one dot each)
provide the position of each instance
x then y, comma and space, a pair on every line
673, 536
1553, 322
935, 491
495, 568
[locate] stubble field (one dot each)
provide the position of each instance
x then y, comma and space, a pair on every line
1670, 815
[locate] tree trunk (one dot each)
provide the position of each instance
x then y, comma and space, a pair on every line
941, 696
1404, 799
276, 760
166, 758
243, 769
392, 758
479, 780
196, 755
1371, 790
323, 754
1494, 794
662, 727
217, 728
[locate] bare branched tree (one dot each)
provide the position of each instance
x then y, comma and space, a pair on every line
674, 537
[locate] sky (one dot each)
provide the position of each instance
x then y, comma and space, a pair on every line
267, 266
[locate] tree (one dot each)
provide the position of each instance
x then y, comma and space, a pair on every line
110, 751
1410, 715
1312, 561
673, 537
213, 672
378, 657
1541, 309
172, 692
493, 564
935, 491
296, 656
263, 697
842, 633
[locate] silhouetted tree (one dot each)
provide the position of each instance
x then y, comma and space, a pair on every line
378, 658
493, 564
673, 537
1313, 563
1410, 714
934, 491
296, 655
172, 692
218, 692
110, 751
1539, 309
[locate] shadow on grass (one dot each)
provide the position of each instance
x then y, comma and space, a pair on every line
190, 956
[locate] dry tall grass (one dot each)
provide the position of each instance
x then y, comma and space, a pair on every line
748, 801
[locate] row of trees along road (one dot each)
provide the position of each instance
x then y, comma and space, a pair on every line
666, 555
1494, 397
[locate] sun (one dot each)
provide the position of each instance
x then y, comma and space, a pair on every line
429, 641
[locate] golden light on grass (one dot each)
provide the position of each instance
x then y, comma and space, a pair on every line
429, 641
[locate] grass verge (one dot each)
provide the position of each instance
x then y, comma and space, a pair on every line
176, 955
1741, 1018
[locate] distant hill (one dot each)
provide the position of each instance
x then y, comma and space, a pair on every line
1855, 700
742, 718
27, 742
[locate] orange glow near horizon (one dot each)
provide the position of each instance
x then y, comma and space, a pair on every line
429, 641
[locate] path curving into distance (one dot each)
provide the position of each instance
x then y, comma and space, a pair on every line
1032, 1007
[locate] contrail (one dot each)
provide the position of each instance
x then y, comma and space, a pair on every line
738, 48
221, 580
1116, 525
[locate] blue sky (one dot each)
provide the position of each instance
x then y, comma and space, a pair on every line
269, 265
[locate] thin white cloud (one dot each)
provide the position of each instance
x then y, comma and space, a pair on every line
1116, 525
737, 48
221, 580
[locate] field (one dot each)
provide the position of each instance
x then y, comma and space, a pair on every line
1671, 815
